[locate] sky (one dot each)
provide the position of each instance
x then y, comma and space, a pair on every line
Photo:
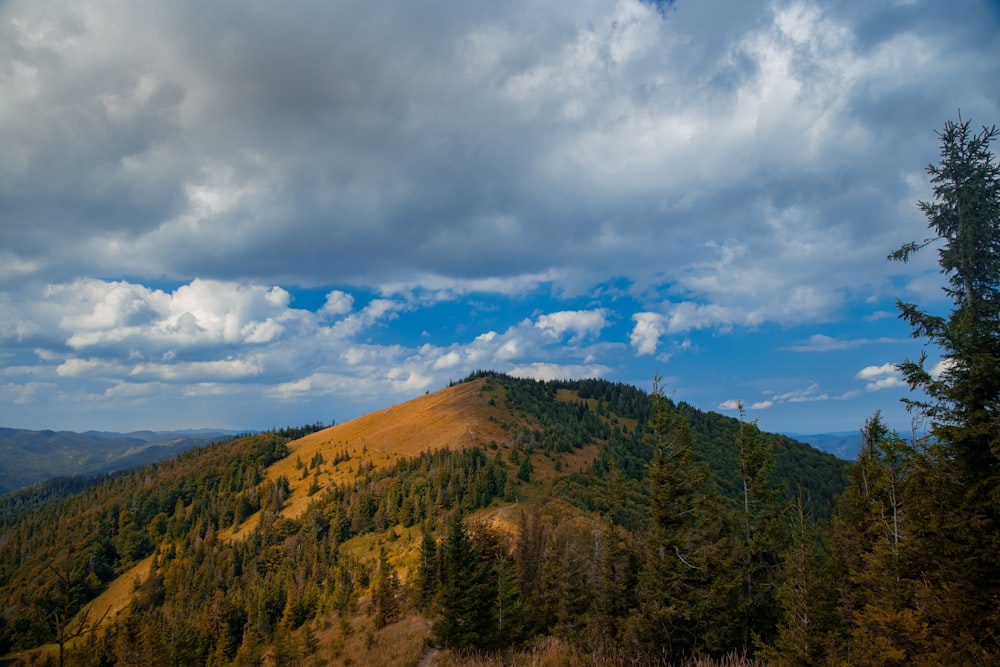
258, 214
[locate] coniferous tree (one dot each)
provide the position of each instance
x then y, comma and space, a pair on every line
467, 599
675, 608
428, 570
957, 533
760, 540
385, 593
529, 552
882, 620
805, 598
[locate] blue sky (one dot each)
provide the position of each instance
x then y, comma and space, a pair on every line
249, 215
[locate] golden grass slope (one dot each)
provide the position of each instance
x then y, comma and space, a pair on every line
462, 415
451, 418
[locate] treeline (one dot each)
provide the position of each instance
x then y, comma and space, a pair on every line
700, 578
617, 422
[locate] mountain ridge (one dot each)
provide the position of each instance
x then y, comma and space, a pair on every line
28, 457
493, 448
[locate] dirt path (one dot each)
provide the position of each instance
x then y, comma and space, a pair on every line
428, 658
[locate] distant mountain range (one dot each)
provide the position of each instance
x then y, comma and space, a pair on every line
29, 457
844, 445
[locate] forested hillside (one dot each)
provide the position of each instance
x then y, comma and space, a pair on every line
224, 562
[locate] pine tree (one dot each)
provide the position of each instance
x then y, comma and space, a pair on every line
957, 532
805, 597
385, 593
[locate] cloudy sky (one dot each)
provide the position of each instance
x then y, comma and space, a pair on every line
256, 214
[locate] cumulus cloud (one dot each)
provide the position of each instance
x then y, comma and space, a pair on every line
735, 404
881, 377
336, 161
337, 303
577, 322
545, 371
647, 331
725, 165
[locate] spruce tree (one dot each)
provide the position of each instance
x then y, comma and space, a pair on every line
467, 599
805, 597
427, 570
385, 593
957, 531
872, 547
676, 610
761, 537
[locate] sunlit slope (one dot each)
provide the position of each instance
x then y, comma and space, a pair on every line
458, 416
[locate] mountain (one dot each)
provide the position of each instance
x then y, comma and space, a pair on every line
28, 457
844, 445
336, 546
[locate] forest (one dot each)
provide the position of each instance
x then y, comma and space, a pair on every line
584, 522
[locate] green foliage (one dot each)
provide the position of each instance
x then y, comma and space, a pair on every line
758, 551
675, 606
955, 533
618, 567
467, 604
805, 598
386, 604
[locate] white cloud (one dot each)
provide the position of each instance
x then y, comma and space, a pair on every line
577, 322
941, 367
685, 316
728, 165
823, 343
546, 371
448, 360
886, 376
337, 303
646, 333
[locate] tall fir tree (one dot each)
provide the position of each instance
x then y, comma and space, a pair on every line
805, 596
957, 532
386, 604
428, 570
467, 601
761, 538
675, 615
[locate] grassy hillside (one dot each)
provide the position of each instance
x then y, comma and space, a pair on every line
266, 545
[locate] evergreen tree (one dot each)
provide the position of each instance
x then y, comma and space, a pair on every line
882, 620
761, 538
467, 599
961, 396
805, 597
428, 573
675, 607
385, 593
